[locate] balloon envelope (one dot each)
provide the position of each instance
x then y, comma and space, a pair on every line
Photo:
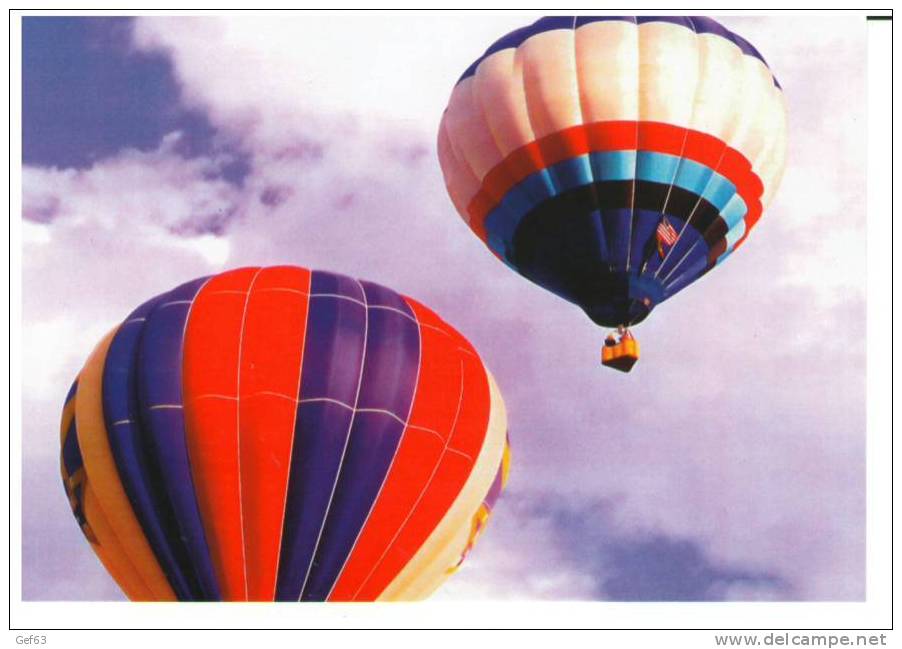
280, 433
614, 160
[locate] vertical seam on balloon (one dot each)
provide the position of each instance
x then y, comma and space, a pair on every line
322, 526
502, 156
582, 126
422, 493
594, 193
544, 170
247, 300
477, 100
461, 158
293, 432
629, 244
682, 157
406, 422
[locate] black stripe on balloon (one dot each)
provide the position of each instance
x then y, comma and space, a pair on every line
613, 196
591, 243
626, 194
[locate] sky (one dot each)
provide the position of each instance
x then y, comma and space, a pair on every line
729, 465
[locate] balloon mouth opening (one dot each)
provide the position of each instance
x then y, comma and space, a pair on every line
627, 312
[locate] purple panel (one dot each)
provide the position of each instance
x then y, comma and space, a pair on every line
159, 390
336, 330
321, 432
393, 353
389, 381
323, 283
72, 460
135, 462
332, 369
72, 463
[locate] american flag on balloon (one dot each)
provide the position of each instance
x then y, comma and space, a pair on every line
666, 236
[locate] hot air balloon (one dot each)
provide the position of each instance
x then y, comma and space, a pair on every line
614, 160
282, 434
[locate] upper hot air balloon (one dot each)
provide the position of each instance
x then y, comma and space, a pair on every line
283, 434
614, 160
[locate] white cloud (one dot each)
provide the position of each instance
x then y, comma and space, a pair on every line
276, 72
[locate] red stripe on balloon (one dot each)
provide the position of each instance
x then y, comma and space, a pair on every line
615, 136
272, 344
210, 374
462, 431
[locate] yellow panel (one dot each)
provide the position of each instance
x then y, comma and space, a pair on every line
104, 478
111, 554
430, 566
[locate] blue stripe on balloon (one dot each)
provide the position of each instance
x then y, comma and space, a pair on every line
613, 165
502, 222
657, 167
734, 211
693, 176
159, 390
331, 373
128, 444
390, 369
574, 172
719, 191
698, 24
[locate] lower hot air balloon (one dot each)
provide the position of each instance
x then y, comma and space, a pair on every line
614, 160
283, 434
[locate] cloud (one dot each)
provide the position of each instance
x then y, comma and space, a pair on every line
596, 559
728, 465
